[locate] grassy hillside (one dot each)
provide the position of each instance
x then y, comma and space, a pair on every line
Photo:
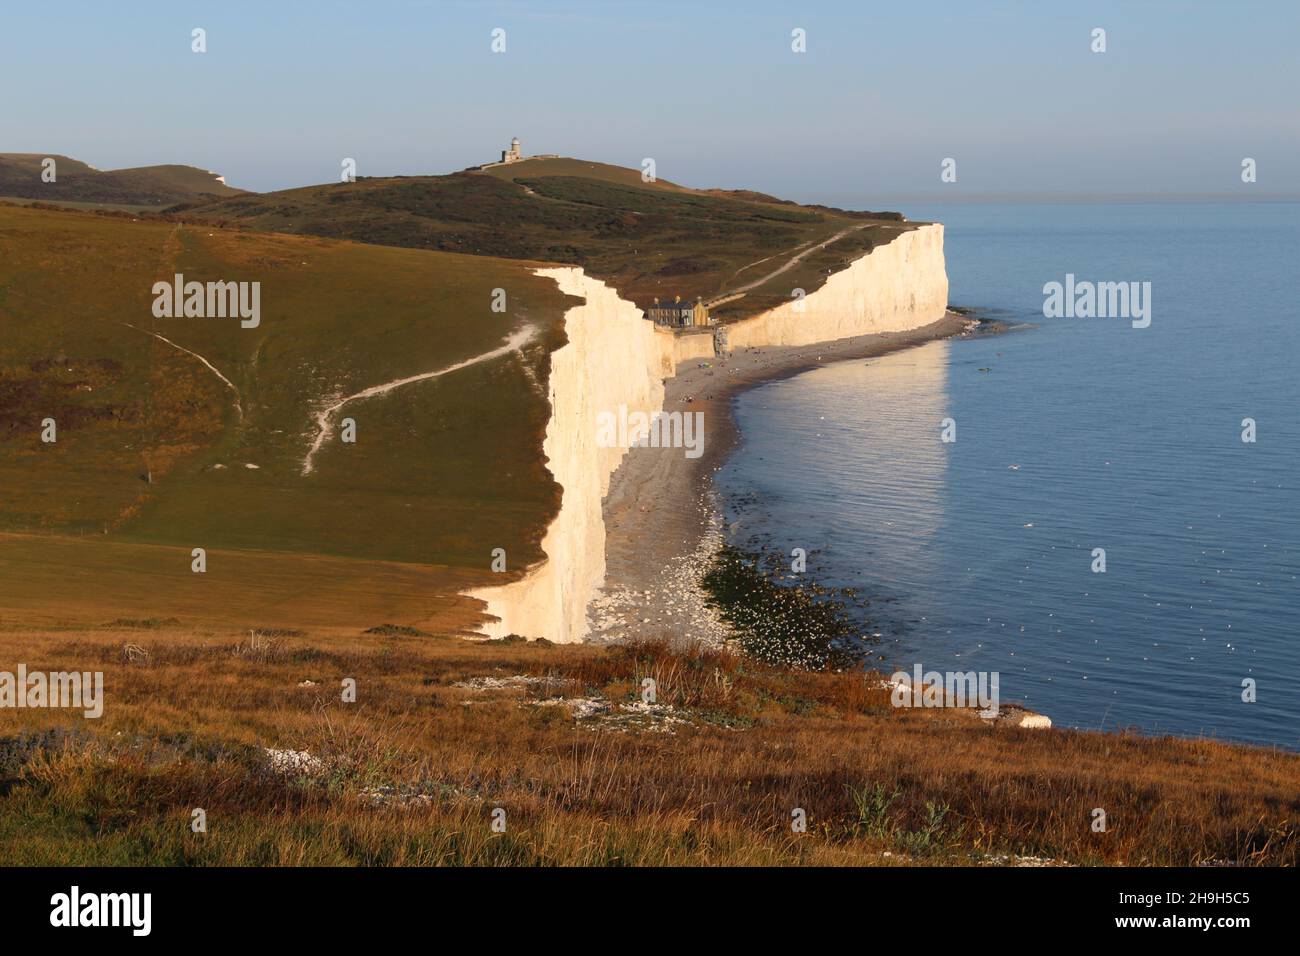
647, 239
444, 732
143, 187
74, 582
153, 447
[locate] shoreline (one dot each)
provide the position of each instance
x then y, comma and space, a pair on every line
662, 519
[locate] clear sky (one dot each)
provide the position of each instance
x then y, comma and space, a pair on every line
712, 91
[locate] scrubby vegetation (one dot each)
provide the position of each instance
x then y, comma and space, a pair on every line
646, 239
712, 770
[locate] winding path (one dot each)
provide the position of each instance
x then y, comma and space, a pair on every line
513, 344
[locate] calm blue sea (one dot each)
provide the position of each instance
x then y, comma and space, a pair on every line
1081, 434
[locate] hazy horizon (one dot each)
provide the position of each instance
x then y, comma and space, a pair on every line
864, 118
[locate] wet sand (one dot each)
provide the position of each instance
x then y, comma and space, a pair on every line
662, 523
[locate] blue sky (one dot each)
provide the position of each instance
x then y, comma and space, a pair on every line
712, 91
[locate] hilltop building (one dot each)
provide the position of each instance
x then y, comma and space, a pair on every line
678, 314
514, 155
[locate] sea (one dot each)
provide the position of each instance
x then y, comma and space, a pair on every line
1113, 523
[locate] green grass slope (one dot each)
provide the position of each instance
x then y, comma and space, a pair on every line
143, 187
442, 471
647, 239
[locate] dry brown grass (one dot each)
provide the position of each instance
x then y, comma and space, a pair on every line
66, 581
411, 773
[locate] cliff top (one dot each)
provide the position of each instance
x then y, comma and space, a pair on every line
646, 239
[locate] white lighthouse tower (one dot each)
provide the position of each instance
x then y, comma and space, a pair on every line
512, 155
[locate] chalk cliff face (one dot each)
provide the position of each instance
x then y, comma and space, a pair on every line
893, 288
683, 348
614, 358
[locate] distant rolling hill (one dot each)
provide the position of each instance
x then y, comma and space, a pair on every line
78, 183
646, 239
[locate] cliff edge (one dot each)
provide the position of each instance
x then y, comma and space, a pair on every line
616, 359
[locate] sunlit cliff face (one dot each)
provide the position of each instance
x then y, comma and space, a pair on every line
896, 287
615, 358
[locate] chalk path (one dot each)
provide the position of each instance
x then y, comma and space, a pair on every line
239, 405
513, 344
789, 264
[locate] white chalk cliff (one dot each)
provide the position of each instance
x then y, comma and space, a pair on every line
615, 357
893, 288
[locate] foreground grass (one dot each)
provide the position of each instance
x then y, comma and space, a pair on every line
414, 771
